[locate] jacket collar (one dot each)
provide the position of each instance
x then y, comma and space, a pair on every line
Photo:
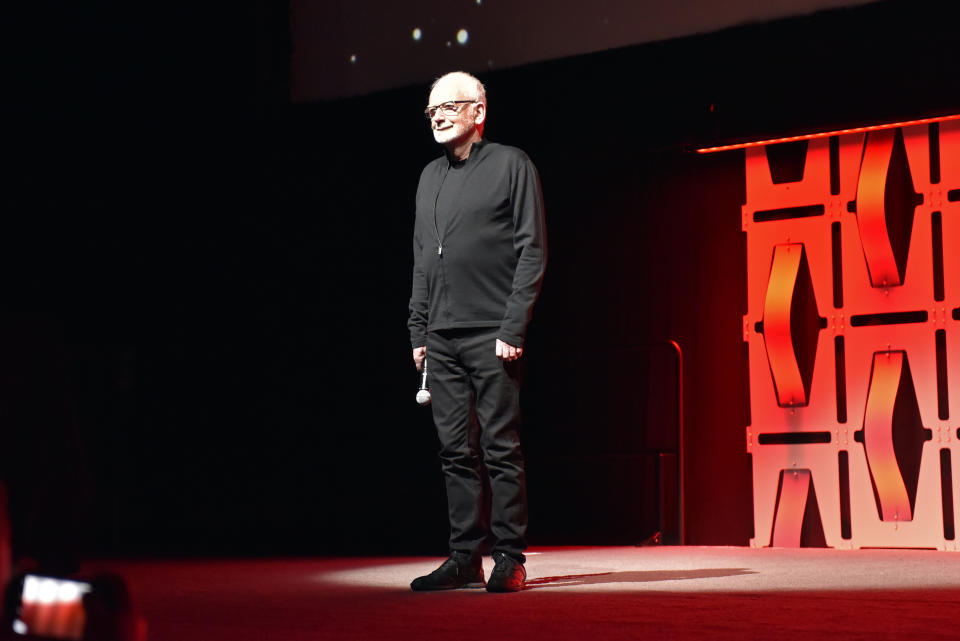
474, 148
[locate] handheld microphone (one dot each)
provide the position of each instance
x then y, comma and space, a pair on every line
423, 394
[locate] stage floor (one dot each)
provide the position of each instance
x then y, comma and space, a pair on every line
573, 593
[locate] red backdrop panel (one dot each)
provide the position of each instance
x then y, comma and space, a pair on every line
873, 229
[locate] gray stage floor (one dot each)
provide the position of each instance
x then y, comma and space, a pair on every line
574, 593
701, 569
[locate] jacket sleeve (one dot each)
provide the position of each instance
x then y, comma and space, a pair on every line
530, 243
417, 321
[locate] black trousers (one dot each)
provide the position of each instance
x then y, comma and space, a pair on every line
476, 408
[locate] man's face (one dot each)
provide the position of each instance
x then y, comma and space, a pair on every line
450, 130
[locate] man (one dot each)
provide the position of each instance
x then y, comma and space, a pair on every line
479, 255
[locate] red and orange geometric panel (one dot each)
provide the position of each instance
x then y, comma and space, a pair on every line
853, 330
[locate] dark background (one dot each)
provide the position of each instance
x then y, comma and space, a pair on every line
343, 48
205, 285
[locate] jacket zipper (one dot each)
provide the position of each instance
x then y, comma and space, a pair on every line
436, 200
443, 271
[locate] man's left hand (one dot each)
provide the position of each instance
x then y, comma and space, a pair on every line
508, 352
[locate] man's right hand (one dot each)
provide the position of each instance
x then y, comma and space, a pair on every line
419, 353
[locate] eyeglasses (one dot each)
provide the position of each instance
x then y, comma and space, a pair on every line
449, 108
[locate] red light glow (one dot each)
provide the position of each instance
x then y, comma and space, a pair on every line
826, 134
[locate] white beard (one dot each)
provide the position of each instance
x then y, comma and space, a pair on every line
444, 136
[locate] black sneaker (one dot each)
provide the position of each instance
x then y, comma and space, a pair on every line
508, 574
458, 571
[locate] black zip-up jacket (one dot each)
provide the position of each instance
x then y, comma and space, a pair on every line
479, 244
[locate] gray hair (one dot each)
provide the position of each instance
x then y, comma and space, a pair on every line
479, 90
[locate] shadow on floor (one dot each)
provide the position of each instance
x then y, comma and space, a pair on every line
634, 577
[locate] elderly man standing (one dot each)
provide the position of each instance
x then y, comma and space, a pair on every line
479, 250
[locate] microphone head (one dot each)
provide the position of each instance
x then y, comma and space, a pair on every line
423, 397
